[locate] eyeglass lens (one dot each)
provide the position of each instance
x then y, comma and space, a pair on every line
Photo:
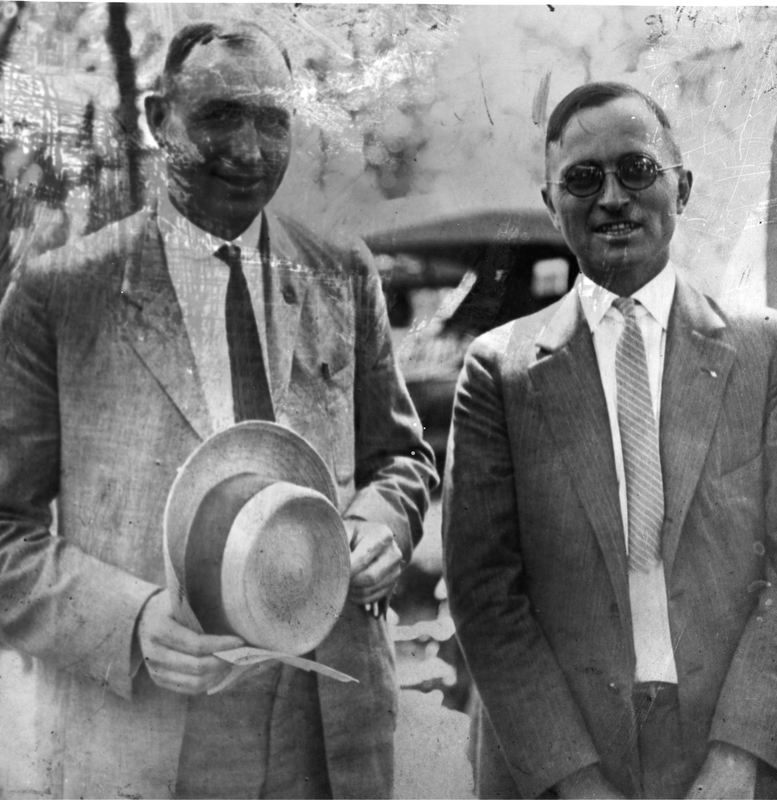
634, 172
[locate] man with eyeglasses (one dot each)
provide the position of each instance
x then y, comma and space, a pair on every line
610, 518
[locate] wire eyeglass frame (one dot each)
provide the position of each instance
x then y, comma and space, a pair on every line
626, 161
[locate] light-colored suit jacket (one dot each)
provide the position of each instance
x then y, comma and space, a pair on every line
535, 555
100, 404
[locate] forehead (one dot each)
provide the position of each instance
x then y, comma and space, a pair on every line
607, 133
248, 70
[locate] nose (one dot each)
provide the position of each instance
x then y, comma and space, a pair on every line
247, 143
613, 195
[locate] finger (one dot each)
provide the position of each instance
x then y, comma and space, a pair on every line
366, 551
208, 644
374, 590
385, 582
387, 563
368, 597
364, 596
175, 636
186, 674
184, 684
367, 594
187, 684
157, 626
165, 660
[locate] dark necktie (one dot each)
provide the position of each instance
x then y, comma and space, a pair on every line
250, 388
639, 440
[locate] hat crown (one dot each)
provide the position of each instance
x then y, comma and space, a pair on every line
254, 543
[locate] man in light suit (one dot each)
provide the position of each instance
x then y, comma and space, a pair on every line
610, 520
114, 366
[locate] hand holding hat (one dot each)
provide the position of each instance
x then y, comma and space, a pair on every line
376, 561
255, 546
176, 657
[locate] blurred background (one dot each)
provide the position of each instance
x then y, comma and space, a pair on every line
419, 128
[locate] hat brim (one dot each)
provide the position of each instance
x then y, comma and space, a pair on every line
265, 451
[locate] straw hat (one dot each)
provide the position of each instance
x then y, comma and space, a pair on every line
255, 540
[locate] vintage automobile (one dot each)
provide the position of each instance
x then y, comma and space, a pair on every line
451, 278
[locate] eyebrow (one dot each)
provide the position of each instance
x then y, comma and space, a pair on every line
618, 159
232, 104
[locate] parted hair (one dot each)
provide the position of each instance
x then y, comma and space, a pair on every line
597, 94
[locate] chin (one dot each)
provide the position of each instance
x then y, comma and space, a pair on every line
606, 272
618, 259
246, 200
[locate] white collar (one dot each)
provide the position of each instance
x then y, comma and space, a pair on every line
656, 296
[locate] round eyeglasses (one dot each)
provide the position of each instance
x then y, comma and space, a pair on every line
635, 172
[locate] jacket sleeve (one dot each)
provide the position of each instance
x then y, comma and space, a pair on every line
56, 602
745, 712
540, 729
394, 466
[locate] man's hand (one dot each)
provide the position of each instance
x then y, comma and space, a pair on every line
728, 772
376, 561
178, 658
587, 783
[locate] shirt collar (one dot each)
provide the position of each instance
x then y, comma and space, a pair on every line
182, 231
656, 296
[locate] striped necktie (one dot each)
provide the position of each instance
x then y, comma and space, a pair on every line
639, 440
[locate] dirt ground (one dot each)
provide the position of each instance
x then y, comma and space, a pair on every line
431, 742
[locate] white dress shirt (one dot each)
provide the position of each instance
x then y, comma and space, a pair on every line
200, 281
652, 640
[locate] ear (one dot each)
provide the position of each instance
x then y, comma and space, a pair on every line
548, 200
684, 185
156, 115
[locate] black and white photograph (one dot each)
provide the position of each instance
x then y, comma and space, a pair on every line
388, 400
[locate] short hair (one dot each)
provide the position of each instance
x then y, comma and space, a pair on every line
596, 95
202, 33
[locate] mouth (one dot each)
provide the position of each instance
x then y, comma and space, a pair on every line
242, 181
617, 229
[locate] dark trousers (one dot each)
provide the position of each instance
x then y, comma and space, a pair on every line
234, 747
667, 769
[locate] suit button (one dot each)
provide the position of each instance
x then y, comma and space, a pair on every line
613, 687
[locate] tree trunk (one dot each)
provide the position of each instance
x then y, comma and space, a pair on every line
7, 33
120, 45
6, 191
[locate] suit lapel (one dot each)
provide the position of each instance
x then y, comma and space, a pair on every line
285, 286
157, 332
698, 361
566, 378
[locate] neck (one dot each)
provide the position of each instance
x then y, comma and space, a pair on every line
625, 283
227, 229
